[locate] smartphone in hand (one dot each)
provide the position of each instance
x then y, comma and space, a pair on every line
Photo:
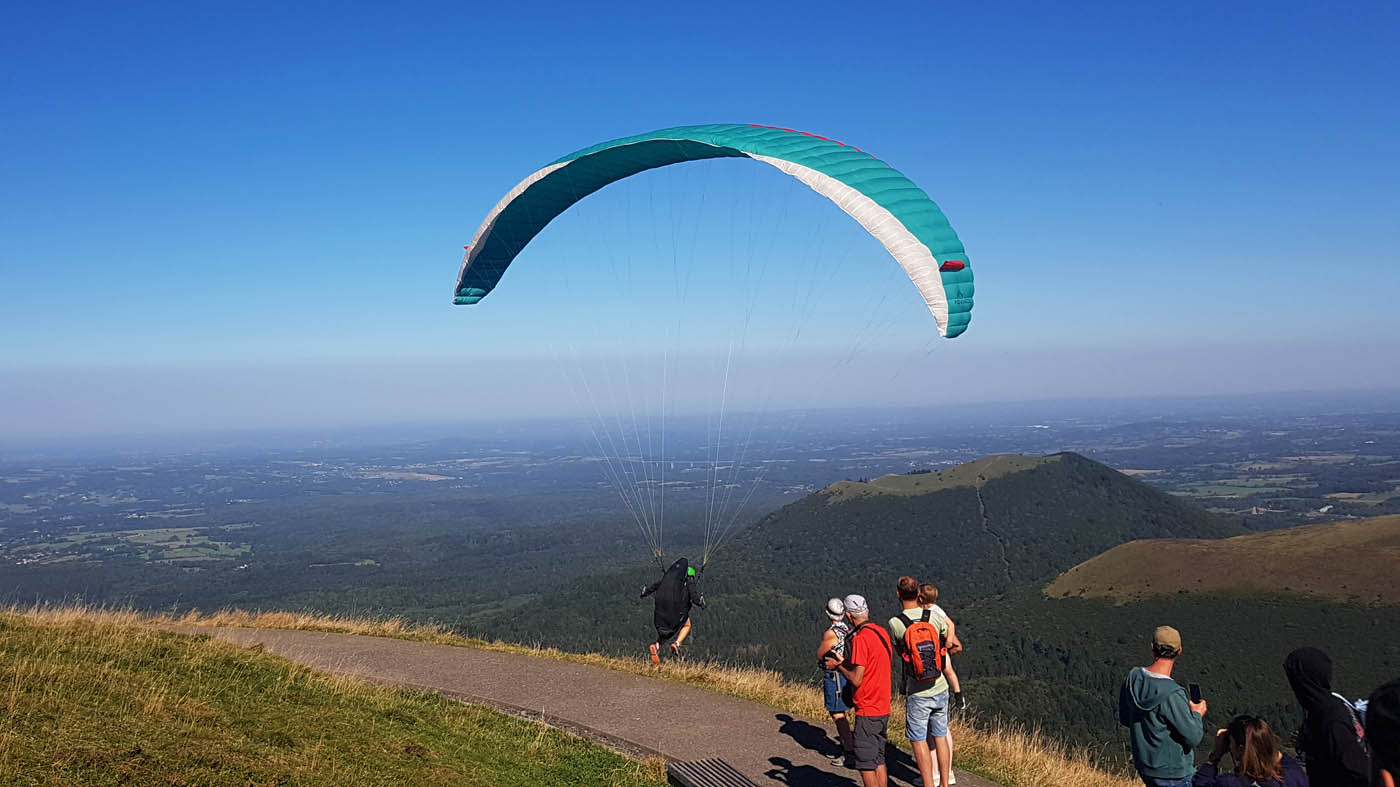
1195, 689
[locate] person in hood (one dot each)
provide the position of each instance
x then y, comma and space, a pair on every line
1163, 724
1259, 759
1331, 740
675, 594
1383, 734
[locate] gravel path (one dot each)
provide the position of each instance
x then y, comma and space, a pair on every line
634, 714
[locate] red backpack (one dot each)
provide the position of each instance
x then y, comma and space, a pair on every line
924, 649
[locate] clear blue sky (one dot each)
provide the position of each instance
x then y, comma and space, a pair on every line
264, 187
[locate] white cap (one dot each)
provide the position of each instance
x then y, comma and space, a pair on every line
835, 608
855, 604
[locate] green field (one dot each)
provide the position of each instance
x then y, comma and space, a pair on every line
107, 702
168, 544
1229, 490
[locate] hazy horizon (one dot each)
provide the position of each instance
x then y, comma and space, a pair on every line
103, 415
185, 249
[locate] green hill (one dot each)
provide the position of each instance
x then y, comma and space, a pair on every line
976, 530
1242, 603
97, 699
1341, 561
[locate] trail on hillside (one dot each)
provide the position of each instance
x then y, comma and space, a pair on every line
1000, 539
633, 714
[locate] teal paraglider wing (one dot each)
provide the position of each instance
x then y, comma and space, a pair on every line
886, 203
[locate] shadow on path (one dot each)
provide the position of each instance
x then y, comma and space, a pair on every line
785, 771
807, 735
899, 763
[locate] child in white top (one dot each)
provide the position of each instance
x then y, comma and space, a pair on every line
928, 599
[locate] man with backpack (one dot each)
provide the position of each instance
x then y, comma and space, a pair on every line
866, 669
921, 640
675, 594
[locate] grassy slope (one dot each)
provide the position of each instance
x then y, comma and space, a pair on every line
96, 699
968, 474
1342, 561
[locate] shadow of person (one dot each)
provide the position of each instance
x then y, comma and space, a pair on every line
807, 735
785, 771
900, 765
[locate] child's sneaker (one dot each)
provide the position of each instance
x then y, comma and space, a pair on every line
655, 654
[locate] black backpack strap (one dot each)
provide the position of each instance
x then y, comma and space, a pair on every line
925, 617
851, 643
877, 636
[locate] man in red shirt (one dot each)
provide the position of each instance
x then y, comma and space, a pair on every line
867, 668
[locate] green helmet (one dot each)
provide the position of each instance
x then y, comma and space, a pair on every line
690, 571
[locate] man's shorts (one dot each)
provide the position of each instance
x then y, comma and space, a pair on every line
926, 717
832, 683
871, 734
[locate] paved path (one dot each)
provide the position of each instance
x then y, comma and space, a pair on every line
638, 715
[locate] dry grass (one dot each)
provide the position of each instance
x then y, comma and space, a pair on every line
1341, 561
1006, 754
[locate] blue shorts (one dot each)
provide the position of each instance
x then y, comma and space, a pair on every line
926, 717
832, 684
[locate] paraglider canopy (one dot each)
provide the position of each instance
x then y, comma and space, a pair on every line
886, 203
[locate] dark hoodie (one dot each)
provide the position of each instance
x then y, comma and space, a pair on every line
1163, 728
675, 593
1329, 740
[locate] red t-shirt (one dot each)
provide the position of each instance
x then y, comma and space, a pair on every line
871, 647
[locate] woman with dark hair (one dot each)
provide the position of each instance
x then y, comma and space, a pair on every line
1259, 761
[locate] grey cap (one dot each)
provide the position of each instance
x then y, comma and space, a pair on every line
855, 604
835, 608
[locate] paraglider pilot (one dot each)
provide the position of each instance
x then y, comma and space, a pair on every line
675, 593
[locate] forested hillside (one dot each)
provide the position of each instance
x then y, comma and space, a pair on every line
992, 534
1057, 663
979, 529
976, 530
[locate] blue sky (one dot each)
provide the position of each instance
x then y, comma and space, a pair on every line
219, 193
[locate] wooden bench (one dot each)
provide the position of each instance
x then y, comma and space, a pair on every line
706, 773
